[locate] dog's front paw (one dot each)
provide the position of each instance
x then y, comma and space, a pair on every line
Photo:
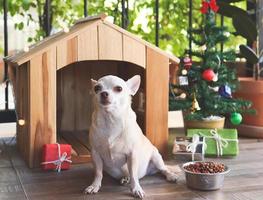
171, 176
137, 191
92, 189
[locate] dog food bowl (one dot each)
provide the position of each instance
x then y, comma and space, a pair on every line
204, 181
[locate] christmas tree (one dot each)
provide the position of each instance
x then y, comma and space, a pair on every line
205, 89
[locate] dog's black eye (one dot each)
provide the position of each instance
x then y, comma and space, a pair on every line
118, 89
97, 88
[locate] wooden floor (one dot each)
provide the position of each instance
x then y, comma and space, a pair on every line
79, 141
245, 181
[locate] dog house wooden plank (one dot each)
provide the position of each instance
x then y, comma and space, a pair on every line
67, 98
110, 43
42, 103
12, 70
157, 80
173, 68
61, 54
67, 52
22, 108
172, 58
133, 51
72, 50
42, 46
88, 44
103, 68
19, 111
83, 100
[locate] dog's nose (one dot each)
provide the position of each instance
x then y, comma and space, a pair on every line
104, 95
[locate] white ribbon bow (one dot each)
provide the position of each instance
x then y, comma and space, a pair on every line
61, 158
221, 142
192, 146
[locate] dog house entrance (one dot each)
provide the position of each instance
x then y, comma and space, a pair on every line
74, 101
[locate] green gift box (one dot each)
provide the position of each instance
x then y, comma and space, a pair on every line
218, 142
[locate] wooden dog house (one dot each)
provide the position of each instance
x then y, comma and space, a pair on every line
52, 86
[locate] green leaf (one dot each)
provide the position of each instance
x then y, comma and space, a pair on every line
245, 27
25, 5
30, 39
20, 26
228, 1
230, 11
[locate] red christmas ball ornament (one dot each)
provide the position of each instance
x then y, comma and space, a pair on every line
208, 75
187, 63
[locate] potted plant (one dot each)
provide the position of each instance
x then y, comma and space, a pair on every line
251, 88
242, 22
204, 91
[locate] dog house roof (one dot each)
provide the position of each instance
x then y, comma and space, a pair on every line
75, 30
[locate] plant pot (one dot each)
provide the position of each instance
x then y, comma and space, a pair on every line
210, 124
252, 90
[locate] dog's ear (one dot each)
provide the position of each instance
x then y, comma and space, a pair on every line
134, 84
93, 82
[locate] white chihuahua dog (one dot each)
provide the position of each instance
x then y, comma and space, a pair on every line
118, 145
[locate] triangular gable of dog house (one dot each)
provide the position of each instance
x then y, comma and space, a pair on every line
92, 38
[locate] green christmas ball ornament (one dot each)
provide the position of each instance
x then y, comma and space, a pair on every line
236, 118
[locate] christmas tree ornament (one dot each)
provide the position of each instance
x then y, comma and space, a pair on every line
208, 75
236, 118
187, 63
238, 60
215, 77
210, 4
183, 80
183, 96
225, 91
184, 72
243, 60
215, 89
195, 105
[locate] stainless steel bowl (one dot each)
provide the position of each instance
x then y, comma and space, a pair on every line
204, 181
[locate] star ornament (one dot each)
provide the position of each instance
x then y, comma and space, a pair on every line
210, 4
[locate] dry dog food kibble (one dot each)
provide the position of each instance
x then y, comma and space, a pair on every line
205, 167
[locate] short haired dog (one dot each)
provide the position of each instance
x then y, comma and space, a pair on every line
118, 145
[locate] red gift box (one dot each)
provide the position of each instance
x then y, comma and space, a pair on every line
56, 156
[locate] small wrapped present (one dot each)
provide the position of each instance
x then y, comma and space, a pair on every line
56, 157
189, 149
219, 142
